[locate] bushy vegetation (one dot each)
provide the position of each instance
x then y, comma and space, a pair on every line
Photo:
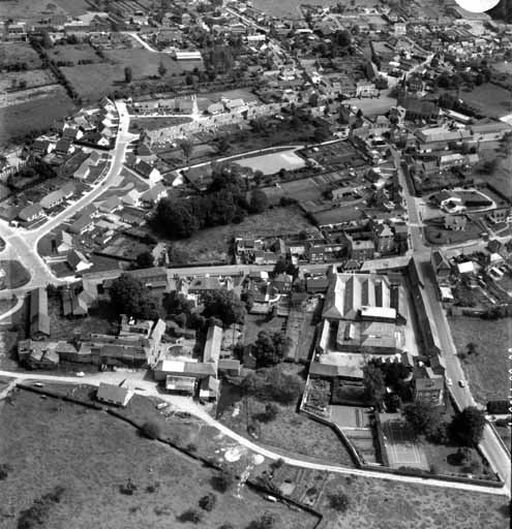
273, 384
37, 515
223, 203
129, 296
150, 430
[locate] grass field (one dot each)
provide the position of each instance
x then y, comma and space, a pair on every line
93, 81
381, 504
37, 115
214, 244
92, 455
311, 439
73, 53
16, 275
490, 99
33, 9
31, 78
18, 52
486, 371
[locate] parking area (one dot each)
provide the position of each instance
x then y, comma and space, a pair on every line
401, 447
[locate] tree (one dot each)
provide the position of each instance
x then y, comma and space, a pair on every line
468, 426
423, 417
207, 502
144, 260
187, 148
129, 296
176, 303
191, 515
259, 201
46, 40
175, 219
162, 70
269, 350
373, 381
151, 430
472, 349
223, 304
222, 482
128, 75
339, 501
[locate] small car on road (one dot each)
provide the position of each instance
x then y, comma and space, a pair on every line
462, 384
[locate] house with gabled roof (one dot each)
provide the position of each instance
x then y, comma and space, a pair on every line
38, 314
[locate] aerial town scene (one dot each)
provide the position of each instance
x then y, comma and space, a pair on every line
255, 264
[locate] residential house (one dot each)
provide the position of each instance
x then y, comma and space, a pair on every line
384, 238
427, 386
31, 213
455, 222
63, 147
360, 250
153, 195
441, 265
58, 196
116, 395
147, 171
73, 305
39, 321
77, 261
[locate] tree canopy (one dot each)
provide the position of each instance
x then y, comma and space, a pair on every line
269, 350
223, 304
423, 417
374, 384
468, 426
129, 296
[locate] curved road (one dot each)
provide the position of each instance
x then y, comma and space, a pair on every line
148, 388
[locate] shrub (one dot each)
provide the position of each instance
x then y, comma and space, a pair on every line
4, 471
207, 503
267, 521
339, 501
128, 489
151, 430
222, 482
191, 515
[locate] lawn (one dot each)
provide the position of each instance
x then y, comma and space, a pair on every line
31, 78
436, 234
36, 115
16, 275
214, 244
92, 455
487, 370
490, 99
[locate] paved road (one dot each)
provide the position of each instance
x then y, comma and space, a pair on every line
141, 41
491, 445
149, 388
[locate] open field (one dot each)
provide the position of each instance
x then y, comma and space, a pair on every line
311, 439
12, 53
490, 99
92, 455
93, 81
33, 9
487, 370
28, 79
37, 115
380, 504
214, 244
73, 53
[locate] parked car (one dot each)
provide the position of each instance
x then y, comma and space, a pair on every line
79, 374
462, 384
449, 382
